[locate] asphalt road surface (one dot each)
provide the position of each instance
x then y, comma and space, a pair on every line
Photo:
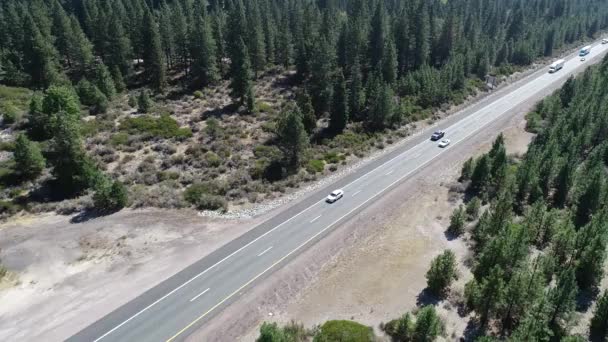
174, 308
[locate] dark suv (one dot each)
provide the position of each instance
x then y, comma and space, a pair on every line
437, 135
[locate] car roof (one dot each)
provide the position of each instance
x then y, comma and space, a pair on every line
336, 191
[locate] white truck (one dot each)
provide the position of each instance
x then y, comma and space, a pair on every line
585, 51
555, 66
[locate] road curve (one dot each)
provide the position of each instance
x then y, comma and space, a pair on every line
175, 307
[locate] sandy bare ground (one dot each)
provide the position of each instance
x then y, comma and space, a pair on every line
71, 274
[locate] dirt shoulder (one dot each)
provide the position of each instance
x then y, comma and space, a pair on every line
71, 274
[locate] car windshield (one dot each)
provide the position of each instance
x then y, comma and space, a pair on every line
335, 193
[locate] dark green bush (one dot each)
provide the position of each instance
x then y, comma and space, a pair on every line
120, 138
199, 195
338, 331
110, 196
315, 166
162, 127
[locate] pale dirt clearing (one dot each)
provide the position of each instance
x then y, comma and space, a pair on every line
71, 274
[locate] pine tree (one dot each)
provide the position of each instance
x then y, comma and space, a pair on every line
308, 112
28, 159
378, 36
284, 53
467, 169
241, 74
292, 136
389, 62
339, 109
118, 47
599, 322
72, 169
257, 44
562, 299
381, 107
428, 324
356, 93
104, 81
144, 103
457, 221
442, 272
320, 83
202, 49
40, 57
118, 79
152, 52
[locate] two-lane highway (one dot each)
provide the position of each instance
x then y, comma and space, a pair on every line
171, 310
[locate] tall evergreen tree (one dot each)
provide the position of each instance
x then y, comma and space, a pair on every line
202, 50
152, 52
339, 109
292, 136
241, 74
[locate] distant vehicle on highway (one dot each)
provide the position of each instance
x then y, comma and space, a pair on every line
605, 41
585, 51
555, 66
444, 143
334, 196
437, 135
583, 59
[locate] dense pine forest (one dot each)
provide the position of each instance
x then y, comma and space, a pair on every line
103, 94
538, 228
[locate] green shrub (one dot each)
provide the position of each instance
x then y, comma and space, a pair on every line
163, 127
333, 157
264, 107
338, 331
533, 122
212, 159
7, 146
198, 94
167, 175
13, 103
315, 166
120, 138
213, 128
10, 113
201, 196
110, 196
8, 208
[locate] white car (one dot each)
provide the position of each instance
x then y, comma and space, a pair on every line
444, 143
583, 59
334, 196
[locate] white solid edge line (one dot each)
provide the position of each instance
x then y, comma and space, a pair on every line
291, 218
264, 252
316, 218
198, 295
